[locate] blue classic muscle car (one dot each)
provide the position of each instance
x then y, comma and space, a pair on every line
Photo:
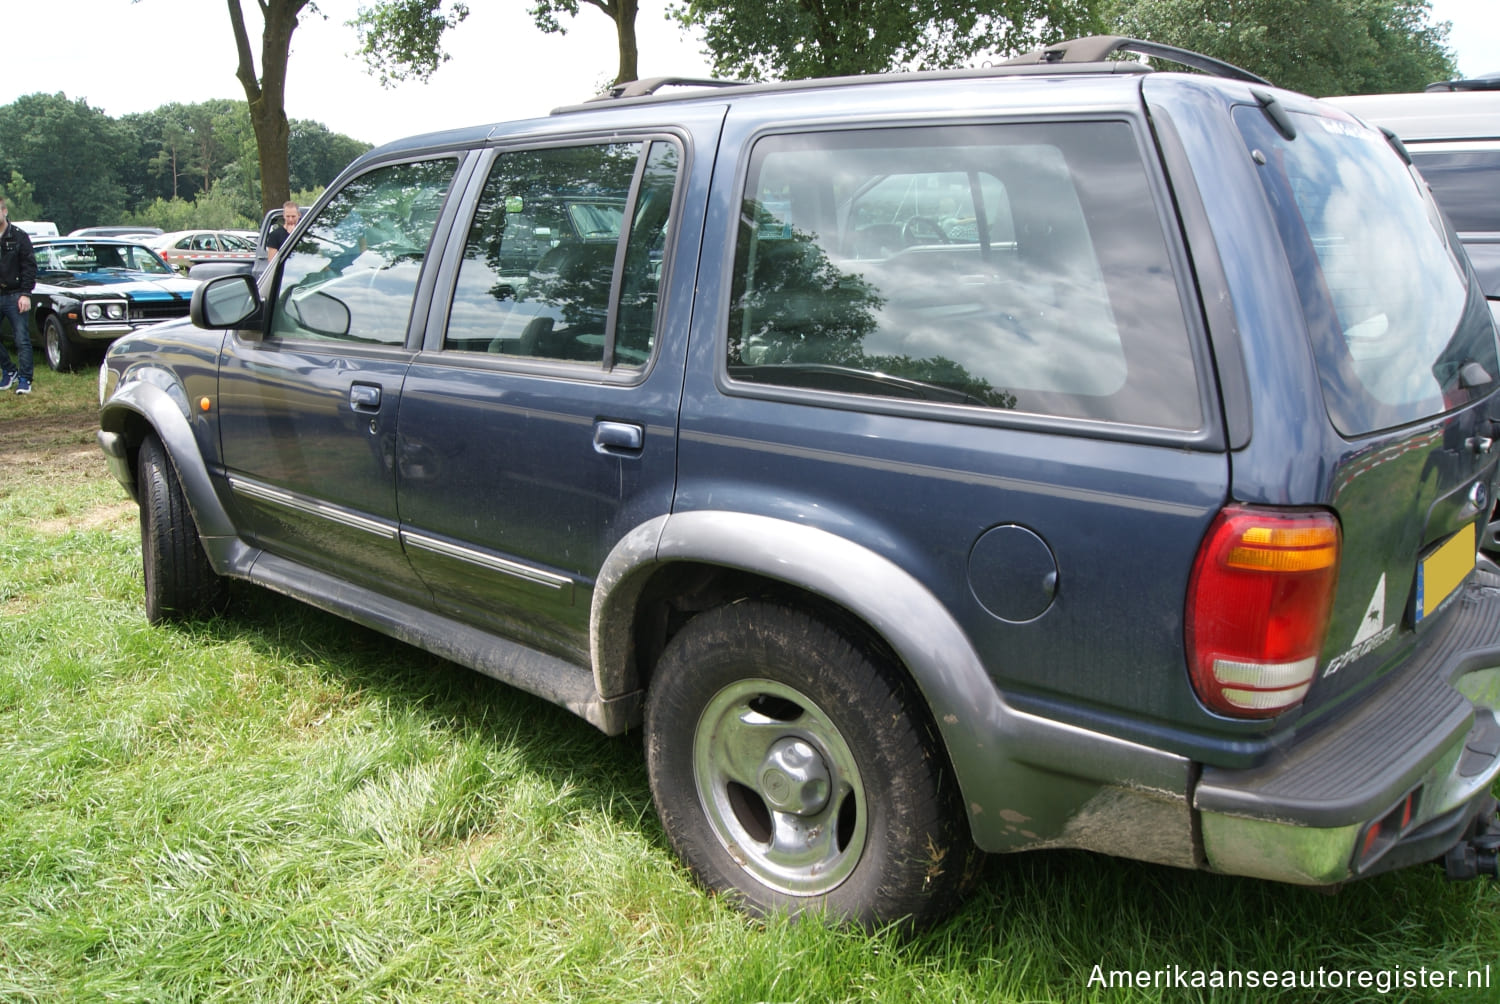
90, 291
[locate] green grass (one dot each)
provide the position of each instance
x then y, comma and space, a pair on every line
276, 805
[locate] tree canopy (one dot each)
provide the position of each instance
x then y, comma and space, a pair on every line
176, 167
796, 39
1319, 47
403, 39
71, 154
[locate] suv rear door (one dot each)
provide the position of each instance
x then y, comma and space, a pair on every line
539, 424
968, 344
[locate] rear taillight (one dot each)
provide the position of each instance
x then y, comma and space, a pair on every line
1258, 608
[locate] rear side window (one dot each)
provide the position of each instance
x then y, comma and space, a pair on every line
539, 279
1012, 267
1397, 334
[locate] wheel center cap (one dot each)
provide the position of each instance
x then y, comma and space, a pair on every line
794, 778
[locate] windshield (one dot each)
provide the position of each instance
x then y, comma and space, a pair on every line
1397, 333
88, 256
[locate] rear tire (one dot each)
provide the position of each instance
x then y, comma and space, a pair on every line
796, 773
180, 583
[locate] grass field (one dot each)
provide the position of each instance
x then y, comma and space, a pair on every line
275, 805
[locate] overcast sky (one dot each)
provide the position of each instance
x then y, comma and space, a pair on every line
123, 57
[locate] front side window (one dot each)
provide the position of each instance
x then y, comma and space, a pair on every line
353, 273
1397, 334
538, 278
1013, 267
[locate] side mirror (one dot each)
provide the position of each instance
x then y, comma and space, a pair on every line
229, 301
320, 313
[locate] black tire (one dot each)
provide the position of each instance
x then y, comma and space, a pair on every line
62, 355
180, 583
763, 720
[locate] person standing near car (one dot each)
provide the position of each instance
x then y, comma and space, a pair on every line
17, 280
290, 214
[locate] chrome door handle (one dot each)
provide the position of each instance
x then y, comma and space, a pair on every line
364, 397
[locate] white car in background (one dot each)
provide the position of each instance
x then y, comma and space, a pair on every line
1452, 131
185, 248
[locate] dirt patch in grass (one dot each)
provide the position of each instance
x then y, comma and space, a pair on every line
60, 449
57, 446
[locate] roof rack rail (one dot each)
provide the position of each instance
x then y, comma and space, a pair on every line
649, 86
1488, 82
1097, 48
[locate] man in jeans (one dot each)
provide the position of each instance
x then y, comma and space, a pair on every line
17, 280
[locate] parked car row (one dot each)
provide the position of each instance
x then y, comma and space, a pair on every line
91, 290
99, 283
186, 248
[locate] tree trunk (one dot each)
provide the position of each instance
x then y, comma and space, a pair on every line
625, 31
266, 95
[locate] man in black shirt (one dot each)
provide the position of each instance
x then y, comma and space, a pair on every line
290, 214
17, 280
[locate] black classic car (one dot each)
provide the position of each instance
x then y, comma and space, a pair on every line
90, 291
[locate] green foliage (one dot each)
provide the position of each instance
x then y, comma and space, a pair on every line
179, 167
402, 39
795, 39
317, 155
18, 197
206, 212
1319, 47
73, 154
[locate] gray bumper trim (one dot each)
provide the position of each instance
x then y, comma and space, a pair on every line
1350, 772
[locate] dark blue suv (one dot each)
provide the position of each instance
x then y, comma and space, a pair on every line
1062, 454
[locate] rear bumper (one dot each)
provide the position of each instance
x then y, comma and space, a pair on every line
1395, 782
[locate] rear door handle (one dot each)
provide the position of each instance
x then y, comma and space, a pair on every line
364, 397
618, 437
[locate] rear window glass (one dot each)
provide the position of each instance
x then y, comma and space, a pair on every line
1013, 267
1397, 334
1467, 186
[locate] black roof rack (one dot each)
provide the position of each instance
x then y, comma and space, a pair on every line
1098, 48
1082, 55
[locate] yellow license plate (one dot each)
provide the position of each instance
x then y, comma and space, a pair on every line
1441, 571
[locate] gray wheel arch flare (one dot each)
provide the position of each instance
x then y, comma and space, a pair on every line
164, 410
1004, 760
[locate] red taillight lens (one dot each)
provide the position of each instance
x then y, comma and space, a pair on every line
1258, 608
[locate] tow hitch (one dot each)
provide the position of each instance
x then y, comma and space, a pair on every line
1478, 853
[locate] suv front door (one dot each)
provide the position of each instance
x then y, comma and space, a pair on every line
307, 407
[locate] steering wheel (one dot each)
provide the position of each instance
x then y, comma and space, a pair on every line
923, 230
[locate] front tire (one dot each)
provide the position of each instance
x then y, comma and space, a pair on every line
62, 355
180, 583
797, 773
